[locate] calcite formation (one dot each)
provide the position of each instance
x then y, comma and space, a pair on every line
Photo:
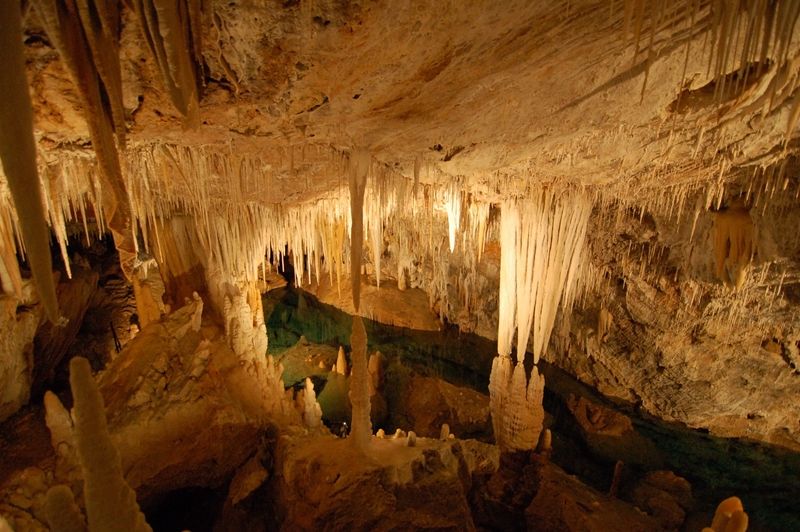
16, 350
110, 502
611, 186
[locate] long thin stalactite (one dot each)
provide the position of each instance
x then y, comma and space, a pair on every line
18, 153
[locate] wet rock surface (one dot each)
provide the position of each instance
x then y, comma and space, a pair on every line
665, 496
52, 343
19, 319
426, 403
611, 434
527, 492
325, 484
408, 308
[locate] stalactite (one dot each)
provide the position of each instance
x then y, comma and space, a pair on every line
453, 207
88, 52
100, 20
477, 220
337, 254
374, 205
359, 383
18, 155
508, 274
10, 276
417, 168
172, 32
359, 386
360, 164
542, 242
69, 186
748, 46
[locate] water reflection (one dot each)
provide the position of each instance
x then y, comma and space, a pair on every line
766, 478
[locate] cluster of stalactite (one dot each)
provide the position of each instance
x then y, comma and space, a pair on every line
86, 34
217, 210
542, 257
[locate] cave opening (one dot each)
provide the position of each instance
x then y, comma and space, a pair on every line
190, 508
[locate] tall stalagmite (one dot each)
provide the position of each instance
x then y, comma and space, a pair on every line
110, 502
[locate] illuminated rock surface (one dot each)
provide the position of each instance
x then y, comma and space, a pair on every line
611, 186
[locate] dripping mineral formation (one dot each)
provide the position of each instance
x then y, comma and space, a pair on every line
399, 265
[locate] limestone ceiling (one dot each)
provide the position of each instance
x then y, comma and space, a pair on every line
536, 90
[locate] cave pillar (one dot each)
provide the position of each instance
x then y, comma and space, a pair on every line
359, 387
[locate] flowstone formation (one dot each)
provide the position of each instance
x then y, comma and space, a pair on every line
734, 240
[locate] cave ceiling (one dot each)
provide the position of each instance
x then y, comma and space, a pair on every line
485, 93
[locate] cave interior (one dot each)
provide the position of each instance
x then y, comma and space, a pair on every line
399, 265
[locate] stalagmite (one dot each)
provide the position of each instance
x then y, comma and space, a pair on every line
730, 516
375, 368
341, 362
312, 413
63, 515
110, 502
545, 446
18, 154
501, 365
62, 438
58, 421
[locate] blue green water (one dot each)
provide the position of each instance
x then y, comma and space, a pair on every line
766, 478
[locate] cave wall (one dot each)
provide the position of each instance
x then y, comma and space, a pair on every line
674, 339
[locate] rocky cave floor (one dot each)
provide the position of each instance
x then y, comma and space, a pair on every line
609, 468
